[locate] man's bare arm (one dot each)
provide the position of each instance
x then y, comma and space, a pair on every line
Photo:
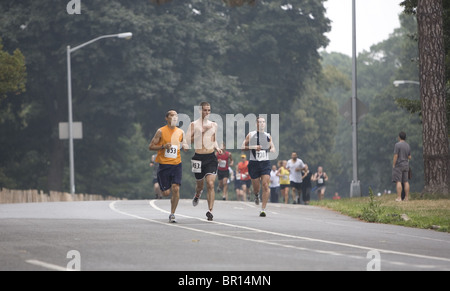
153, 146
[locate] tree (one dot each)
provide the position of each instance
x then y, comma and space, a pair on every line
433, 99
12, 72
391, 59
255, 58
12, 83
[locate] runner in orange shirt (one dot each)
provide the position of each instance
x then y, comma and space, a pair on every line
168, 141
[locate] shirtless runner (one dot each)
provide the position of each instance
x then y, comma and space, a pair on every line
202, 133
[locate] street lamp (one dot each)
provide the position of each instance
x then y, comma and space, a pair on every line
126, 35
401, 82
355, 189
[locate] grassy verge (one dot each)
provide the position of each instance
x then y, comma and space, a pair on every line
428, 213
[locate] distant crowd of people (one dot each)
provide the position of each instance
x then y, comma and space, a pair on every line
285, 176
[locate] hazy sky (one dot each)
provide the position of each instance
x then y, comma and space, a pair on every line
375, 20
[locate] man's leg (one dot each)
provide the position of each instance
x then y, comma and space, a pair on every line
198, 187
256, 187
244, 191
198, 191
398, 185
210, 179
225, 188
265, 179
294, 194
175, 197
406, 191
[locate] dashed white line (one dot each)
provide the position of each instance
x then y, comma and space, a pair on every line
47, 265
271, 242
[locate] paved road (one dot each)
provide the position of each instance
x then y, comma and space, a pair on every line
136, 235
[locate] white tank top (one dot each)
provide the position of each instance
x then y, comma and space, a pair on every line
262, 139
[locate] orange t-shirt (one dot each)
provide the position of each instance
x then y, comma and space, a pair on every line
175, 137
243, 170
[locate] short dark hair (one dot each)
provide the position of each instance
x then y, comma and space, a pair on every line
168, 112
402, 135
204, 103
260, 117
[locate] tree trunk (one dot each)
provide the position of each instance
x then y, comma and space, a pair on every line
56, 108
432, 91
56, 167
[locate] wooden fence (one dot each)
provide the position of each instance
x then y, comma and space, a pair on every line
27, 196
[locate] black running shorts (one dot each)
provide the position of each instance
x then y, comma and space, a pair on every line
209, 165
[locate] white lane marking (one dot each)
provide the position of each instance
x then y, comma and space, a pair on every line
152, 203
47, 265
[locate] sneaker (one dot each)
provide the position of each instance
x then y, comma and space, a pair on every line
262, 213
256, 199
209, 216
195, 200
172, 218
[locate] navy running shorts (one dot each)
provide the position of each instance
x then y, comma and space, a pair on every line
258, 168
168, 175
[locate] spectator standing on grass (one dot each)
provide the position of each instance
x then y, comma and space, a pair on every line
336, 196
400, 166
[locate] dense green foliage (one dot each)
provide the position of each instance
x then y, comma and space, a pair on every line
258, 58
414, 106
12, 72
392, 59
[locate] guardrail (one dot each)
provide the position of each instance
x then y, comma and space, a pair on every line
28, 196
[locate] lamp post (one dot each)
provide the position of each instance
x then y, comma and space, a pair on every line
355, 189
126, 35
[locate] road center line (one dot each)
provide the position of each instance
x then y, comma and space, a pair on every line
153, 205
46, 265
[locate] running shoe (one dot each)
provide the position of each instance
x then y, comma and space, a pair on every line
209, 216
172, 218
256, 199
195, 200
262, 213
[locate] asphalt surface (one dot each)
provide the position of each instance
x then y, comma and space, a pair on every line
136, 235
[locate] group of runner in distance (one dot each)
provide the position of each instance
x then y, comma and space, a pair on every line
169, 140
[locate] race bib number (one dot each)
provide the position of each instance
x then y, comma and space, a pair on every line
171, 152
196, 166
261, 155
222, 163
320, 181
